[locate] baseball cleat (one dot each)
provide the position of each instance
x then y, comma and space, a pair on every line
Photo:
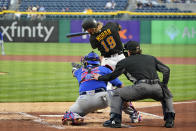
169, 123
169, 119
78, 121
69, 119
66, 122
112, 124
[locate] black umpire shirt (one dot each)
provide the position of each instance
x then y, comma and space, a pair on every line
107, 40
139, 67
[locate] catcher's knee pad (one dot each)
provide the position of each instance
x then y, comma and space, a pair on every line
71, 118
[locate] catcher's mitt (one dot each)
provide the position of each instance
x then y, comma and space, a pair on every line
75, 66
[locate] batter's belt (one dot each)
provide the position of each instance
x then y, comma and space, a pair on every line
115, 54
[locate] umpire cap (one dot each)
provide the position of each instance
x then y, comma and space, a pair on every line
132, 45
89, 23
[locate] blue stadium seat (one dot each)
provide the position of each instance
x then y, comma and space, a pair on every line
75, 6
121, 4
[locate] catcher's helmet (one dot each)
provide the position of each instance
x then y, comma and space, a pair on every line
92, 58
89, 23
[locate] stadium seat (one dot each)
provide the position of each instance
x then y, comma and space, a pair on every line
94, 4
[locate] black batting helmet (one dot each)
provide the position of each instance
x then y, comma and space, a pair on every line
89, 23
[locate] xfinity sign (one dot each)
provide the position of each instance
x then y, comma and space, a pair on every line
27, 31
30, 31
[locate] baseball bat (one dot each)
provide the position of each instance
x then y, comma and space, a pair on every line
76, 34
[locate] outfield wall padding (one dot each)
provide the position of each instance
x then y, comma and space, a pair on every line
29, 31
173, 32
64, 28
145, 32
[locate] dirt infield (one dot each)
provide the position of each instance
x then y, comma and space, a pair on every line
47, 116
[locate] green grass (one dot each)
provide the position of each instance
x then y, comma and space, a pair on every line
183, 82
37, 81
82, 49
170, 50
47, 49
53, 81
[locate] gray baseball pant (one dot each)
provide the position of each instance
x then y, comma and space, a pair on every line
139, 92
89, 103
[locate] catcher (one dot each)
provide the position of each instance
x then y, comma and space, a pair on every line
92, 93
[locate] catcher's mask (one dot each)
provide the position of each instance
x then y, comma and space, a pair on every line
91, 59
89, 23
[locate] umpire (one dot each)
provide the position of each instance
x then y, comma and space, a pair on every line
142, 71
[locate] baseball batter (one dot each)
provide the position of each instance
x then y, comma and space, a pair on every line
93, 95
106, 39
